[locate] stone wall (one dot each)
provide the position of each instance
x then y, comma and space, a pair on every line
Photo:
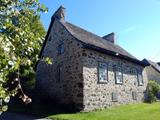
153, 74
78, 83
99, 95
69, 90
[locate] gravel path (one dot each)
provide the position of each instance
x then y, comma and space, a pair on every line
16, 116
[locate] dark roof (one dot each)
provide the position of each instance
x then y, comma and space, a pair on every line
91, 41
95, 42
153, 64
90, 38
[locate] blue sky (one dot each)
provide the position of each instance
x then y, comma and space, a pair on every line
135, 22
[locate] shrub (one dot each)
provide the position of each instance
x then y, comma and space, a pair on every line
153, 91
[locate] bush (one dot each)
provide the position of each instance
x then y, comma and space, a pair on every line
153, 91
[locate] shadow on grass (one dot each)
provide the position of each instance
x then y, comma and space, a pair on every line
40, 109
14, 116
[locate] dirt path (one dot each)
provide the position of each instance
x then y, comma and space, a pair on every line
16, 116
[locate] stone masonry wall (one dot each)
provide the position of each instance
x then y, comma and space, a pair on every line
152, 74
69, 90
99, 95
78, 83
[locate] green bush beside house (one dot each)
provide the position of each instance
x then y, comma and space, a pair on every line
153, 90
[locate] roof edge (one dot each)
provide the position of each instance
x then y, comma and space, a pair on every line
46, 38
149, 63
88, 46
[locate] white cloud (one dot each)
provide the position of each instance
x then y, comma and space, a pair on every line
129, 29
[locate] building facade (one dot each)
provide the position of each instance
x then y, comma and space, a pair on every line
88, 71
153, 70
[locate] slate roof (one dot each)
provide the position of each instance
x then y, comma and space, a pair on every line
153, 64
95, 42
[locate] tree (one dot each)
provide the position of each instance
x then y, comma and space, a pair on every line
153, 90
21, 35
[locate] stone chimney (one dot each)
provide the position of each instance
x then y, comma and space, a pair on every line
110, 37
59, 14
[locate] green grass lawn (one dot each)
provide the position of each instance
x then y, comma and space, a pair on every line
141, 111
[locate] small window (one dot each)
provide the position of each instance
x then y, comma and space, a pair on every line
59, 73
134, 95
133, 71
114, 97
118, 74
140, 77
60, 49
102, 72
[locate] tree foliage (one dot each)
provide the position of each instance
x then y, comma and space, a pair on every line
153, 91
21, 35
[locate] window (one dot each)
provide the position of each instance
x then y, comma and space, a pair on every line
118, 74
102, 72
134, 95
59, 73
60, 49
115, 97
133, 71
140, 77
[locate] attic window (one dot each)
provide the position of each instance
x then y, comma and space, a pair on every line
102, 72
118, 74
61, 49
140, 77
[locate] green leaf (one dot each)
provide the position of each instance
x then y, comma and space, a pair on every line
19, 41
43, 6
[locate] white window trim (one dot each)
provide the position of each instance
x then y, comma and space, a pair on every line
106, 80
116, 76
140, 82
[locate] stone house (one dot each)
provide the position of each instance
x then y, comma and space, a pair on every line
88, 71
153, 70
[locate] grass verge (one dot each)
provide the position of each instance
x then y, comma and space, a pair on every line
142, 111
